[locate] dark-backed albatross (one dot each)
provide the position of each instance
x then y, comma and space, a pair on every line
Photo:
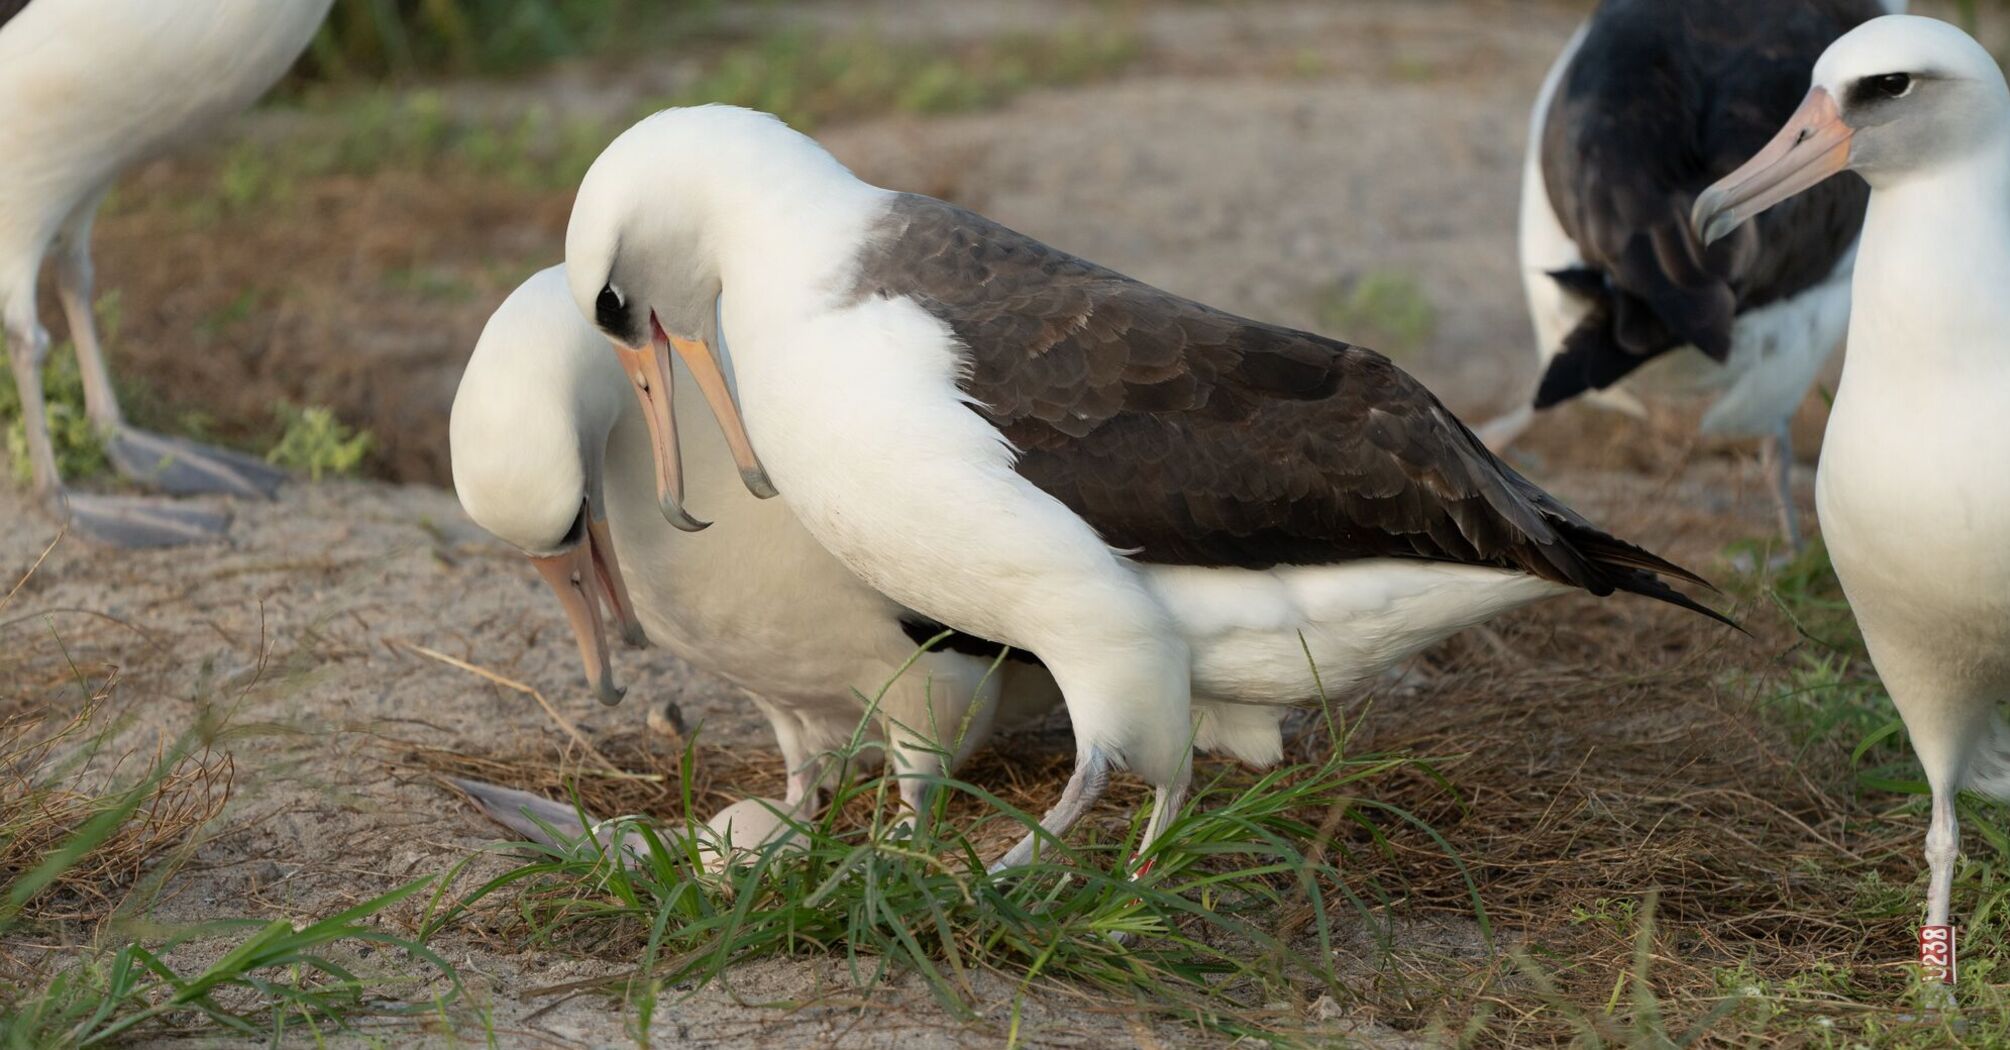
1649, 103
1167, 504
1913, 489
88, 88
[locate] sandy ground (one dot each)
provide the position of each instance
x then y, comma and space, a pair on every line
1259, 154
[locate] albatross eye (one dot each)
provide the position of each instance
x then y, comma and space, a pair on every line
1891, 85
610, 312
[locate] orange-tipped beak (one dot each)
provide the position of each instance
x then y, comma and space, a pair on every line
1814, 145
574, 577
712, 383
613, 588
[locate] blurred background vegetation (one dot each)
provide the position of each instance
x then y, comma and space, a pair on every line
377, 38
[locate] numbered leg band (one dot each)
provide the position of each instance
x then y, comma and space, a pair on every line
1936, 953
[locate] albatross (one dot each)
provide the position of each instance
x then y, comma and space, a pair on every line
88, 88
1169, 505
1912, 491
1649, 103
550, 454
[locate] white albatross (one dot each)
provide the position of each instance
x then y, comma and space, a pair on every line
1167, 504
550, 454
88, 88
1648, 104
1912, 488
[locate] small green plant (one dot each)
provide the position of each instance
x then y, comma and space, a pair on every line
314, 441
80, 452
1386, 311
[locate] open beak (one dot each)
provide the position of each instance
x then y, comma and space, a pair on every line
1814, 145
613, 588
575, 576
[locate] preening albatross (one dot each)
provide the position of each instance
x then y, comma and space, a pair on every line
1912, 488
88, 88
550, 453
1648, 104
1156, 498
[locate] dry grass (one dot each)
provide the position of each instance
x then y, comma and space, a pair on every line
47, 801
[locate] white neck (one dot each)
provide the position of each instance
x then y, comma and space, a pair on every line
1931, 267
792, 241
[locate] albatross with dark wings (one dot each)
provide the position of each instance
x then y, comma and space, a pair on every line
1169, 505
1647, 105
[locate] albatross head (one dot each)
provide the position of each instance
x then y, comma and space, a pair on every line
528, 437
1896, 96
642, 254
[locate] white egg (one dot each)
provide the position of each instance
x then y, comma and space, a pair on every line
744, 827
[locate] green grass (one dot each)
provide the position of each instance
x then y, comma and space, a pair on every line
809, 80
267, 979
377, 38
1386, 311
310, 439
1230, 929
1831, 704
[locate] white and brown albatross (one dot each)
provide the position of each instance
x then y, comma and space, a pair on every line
88, 88
550, 454
1649, 103
1913, 489
1158, 499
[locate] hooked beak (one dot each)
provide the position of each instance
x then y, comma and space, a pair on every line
649, 372
607, 569
1814, 145
580, 577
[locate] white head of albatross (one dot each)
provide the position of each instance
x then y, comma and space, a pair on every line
1156, 498
529, 439
1914, 506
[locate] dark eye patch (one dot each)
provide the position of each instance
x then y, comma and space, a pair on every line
609, 312
1884, 87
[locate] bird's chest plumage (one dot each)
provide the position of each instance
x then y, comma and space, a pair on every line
752, 599
1914, 497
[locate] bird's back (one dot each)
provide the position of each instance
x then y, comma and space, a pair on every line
1661, 100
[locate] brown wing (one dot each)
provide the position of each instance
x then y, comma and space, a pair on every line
1197, 437
10, 8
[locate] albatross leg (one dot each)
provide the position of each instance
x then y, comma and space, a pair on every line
174, 465
106, 519
1936, 939
1092, 776
1777, 455
1165, 806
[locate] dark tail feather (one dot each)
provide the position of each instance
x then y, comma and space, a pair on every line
1636, 570
1647, 585
1594, 357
